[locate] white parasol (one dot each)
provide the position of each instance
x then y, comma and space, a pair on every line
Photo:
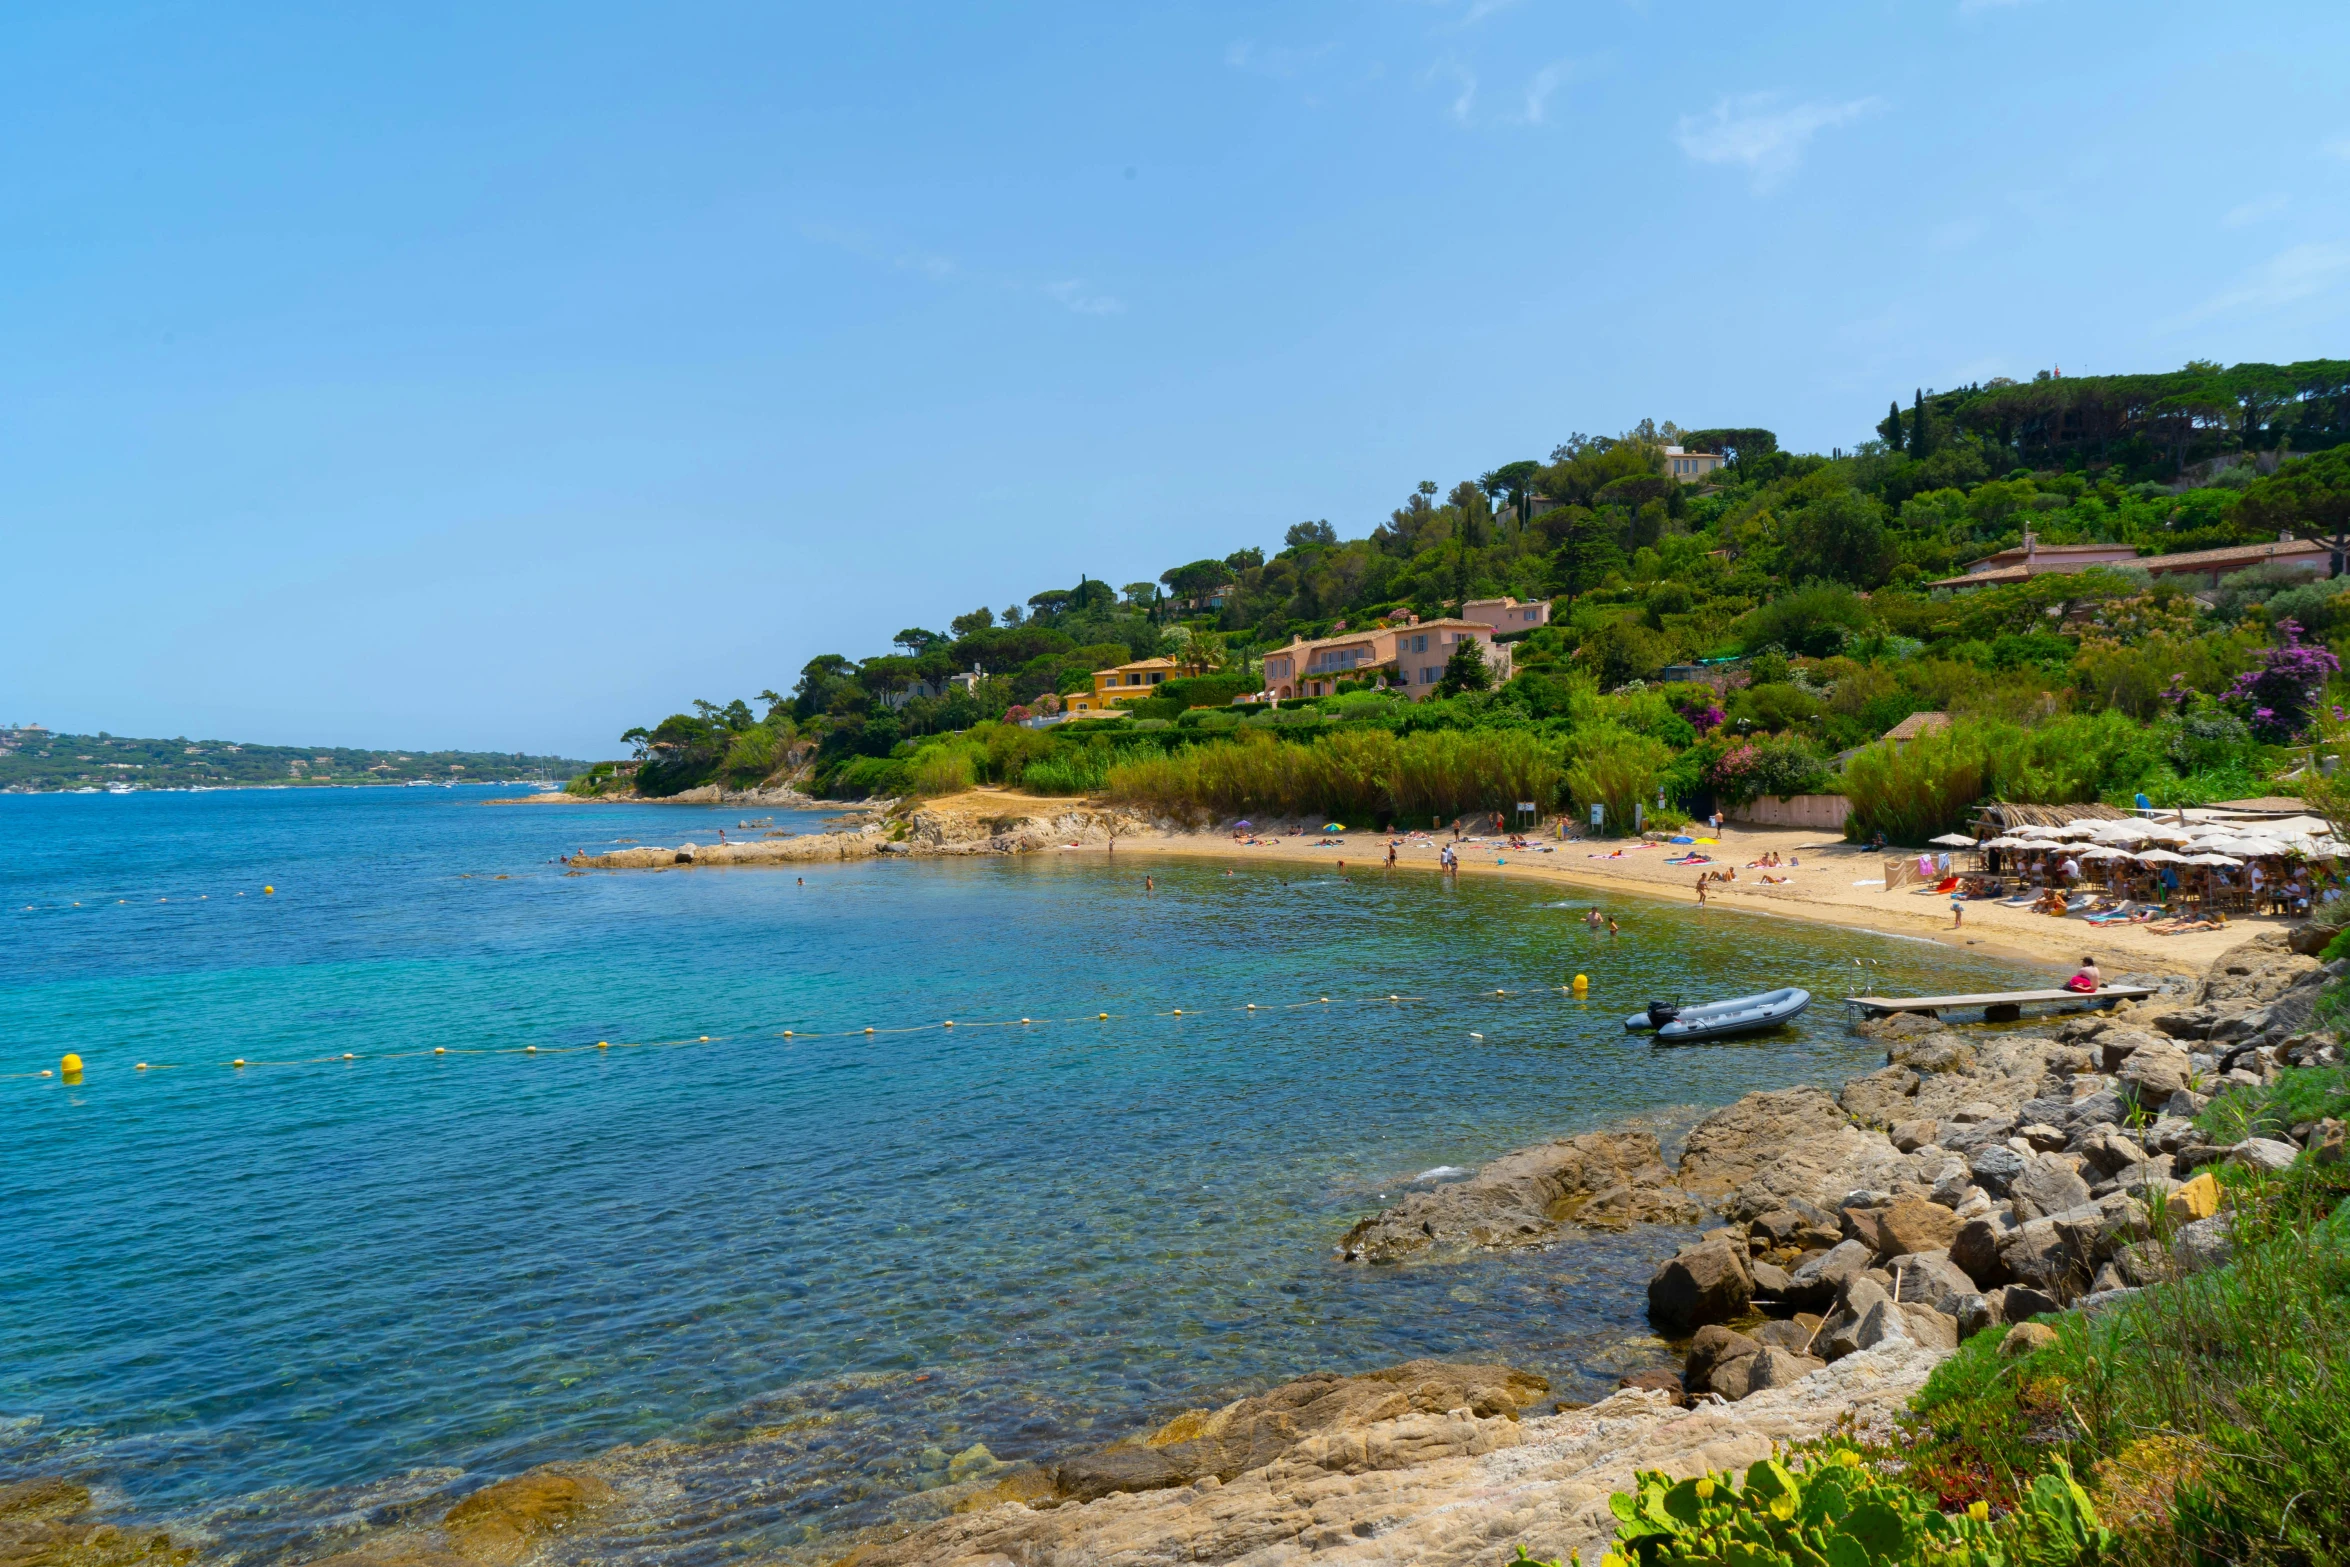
2160, 857
2212, 859
1954, 840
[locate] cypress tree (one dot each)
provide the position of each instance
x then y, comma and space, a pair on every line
1919, 445
1891, 428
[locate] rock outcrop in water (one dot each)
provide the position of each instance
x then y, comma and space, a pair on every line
1601, 1179
44, 1523
1426, 1486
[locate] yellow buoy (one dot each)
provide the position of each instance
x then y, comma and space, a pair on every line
950, 1023
868, 1028
1501, 992
69, 1063
530, 1050
787, 1033
141, 1067
1582, 983
1024, 1020
1178, 1011
269, 889
1252, 1006
349, 1057
603, 1044
705, 1039
1325, 998
45, 1072
1104, 1016
239, 1061
440, 1050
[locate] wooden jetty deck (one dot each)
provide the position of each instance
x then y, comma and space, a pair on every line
2003, 1006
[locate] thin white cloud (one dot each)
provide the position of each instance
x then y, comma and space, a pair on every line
1465, 101
1753, 132
2256, 209
1074, 297
1547, 81
2286, 278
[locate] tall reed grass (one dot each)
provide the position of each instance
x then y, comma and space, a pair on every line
1358, 775
1930, 785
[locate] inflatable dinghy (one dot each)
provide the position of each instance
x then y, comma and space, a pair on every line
1721, 1019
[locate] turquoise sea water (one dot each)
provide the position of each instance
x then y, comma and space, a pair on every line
273, 1307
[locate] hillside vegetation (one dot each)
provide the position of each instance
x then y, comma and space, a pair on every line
1803, 579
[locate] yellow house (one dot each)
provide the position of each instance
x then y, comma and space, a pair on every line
1126, 682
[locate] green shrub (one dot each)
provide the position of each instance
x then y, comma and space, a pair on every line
1619, 771
1841, 1511
941, 769
1351, 773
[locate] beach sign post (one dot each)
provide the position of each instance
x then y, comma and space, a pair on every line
1598, 817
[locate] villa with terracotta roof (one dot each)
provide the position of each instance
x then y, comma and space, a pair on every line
1409, 657
2033, 559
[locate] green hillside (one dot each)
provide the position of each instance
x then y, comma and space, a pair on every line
1801, 587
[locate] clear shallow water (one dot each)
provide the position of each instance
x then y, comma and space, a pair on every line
270, 1307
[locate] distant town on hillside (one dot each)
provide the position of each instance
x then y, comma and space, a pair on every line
33, 759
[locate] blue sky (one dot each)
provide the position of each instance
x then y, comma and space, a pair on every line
501, 376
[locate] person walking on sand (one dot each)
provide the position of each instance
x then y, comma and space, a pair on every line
1701, 890
1391, 854
1957, 912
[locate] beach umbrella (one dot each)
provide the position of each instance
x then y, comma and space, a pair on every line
2076, 830
1954, 840
2160, 857
2211, 859
2103, 853
1244, 824
1334, 826
2010, 843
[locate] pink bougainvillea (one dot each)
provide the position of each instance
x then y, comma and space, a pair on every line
2278, 696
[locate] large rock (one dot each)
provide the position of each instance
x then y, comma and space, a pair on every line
2021, 1303
1976, 1247
1712, 1352
1913, 1224
2152, 1074
1936, 1052
2110, 1150
1821, 1281
1424, 1488
1775, 1150
1881, 1097
1606, 1179
2116, 1045
42, 1524
1931, 1279
503, 1523
1709, 1283
1934, 1329
2043, 1253
2261, 969
2047, 1186
1252, 1433
2202, 1244
1775, 1368
2264, 1153
1993, 1166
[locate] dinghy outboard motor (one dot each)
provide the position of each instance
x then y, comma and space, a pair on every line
1660, 1013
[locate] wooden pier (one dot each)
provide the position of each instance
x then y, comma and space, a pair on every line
2003, 1006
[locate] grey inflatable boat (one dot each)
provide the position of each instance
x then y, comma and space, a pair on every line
1721, 1019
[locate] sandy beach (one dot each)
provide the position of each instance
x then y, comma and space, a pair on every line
1825, 880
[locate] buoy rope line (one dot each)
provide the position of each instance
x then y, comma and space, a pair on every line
1575, 991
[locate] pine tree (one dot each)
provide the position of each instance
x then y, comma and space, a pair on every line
1891, 428
1919, 443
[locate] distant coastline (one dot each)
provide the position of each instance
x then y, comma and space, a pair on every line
35, 760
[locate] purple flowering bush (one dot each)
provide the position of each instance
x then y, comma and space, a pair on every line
1704, 717
2278, 696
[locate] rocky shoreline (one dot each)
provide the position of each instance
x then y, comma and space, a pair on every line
1970, 1183
1974, 1181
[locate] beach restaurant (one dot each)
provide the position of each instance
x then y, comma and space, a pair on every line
2112, 865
